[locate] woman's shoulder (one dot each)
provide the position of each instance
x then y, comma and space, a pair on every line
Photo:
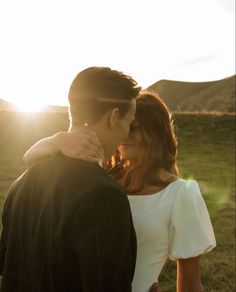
187, 191
178, 190
186, 185
183, 185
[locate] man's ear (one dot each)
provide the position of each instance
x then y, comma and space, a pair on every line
114, 117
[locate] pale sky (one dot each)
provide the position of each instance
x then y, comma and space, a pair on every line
45, 43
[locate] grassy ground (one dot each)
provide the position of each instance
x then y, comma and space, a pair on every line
207, 154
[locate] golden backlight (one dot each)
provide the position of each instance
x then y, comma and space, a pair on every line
29, 108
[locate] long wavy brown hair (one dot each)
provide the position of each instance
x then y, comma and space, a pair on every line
157, 127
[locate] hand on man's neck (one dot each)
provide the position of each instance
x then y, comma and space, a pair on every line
88, 128
107, 129
94, 130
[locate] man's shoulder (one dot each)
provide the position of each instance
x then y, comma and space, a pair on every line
65, 169
76, 177
76, 174
105, 184
100, 188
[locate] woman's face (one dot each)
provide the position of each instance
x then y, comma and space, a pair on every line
134, 148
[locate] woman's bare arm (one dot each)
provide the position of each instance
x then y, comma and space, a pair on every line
80, 144
155, 287
40, 149
188, 275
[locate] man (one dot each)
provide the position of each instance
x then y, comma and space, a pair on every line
67, 225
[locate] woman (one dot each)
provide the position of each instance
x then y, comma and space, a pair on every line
170, 217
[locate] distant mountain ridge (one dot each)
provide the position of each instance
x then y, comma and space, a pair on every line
212, 96
196, 97
5, 105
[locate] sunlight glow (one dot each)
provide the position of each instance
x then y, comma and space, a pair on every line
167, 42
29, 108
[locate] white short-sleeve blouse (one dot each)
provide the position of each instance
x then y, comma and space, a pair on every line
171, 223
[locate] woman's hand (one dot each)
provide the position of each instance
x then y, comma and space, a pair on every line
80, 144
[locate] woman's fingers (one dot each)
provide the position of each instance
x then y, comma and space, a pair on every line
95, 145
89, 158
92, 143
88, 155
93, 150
80, 144
84, 136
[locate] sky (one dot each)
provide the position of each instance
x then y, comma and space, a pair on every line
45, 43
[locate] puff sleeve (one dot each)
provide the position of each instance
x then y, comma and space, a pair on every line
190, 231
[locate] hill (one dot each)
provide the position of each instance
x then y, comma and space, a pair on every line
5, 105
197, 97
213, 96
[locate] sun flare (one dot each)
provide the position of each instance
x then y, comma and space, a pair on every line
29, 108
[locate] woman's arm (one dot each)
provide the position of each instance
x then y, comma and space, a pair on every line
188, 275
80, 144
155, 287
40, 149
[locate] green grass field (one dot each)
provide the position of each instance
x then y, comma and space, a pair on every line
206, 153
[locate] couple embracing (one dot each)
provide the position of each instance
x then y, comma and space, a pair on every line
104, 211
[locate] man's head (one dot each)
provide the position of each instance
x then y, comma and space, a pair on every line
103, 100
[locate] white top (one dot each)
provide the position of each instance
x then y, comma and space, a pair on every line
172, 223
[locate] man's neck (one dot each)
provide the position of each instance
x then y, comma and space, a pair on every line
94, 130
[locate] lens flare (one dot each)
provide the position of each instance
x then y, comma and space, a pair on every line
29, 107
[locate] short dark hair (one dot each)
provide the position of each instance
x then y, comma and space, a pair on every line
96, 90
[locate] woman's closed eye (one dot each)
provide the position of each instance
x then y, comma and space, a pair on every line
134, 128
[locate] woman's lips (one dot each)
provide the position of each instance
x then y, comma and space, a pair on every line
126, 145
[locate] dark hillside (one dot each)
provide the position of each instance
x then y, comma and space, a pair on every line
214, 96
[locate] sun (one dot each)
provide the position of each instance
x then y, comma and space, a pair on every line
29, 107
